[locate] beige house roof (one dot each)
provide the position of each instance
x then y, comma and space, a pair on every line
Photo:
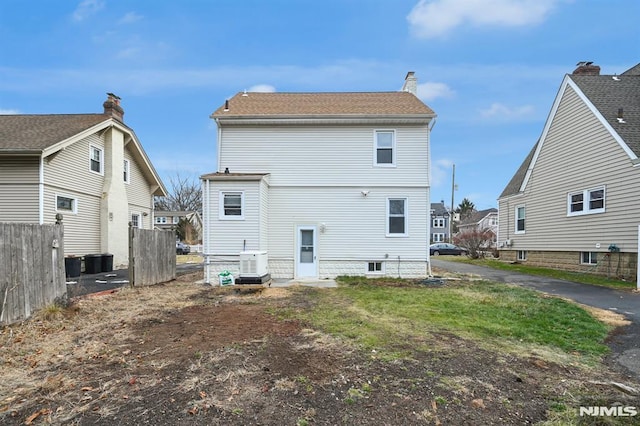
34, 133
257, 104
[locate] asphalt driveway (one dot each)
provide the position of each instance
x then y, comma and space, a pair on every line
624, 343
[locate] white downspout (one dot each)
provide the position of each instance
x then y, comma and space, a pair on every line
205, 229
41, 192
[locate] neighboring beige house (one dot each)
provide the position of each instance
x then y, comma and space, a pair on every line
91, 168
574, 203
321, 184
165, 219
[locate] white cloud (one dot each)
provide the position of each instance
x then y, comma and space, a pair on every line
130, 18
441, 172
505, 113
9, 111
263, 88
430, 91
86, 8
436, 18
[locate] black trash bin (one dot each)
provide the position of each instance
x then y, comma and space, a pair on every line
72, 266
92, 263
107, 262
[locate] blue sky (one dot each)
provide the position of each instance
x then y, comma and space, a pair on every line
489, 68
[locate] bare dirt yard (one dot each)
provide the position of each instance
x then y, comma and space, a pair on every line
183, 353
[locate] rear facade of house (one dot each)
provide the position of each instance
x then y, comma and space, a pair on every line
574, 202
320, 184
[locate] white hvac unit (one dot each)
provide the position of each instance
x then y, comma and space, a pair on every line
253, 264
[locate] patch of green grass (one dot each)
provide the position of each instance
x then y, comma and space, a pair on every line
577, 277
393, 321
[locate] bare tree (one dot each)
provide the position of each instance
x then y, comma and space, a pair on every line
184, 195
476, 241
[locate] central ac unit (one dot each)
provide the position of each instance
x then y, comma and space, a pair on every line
253, 264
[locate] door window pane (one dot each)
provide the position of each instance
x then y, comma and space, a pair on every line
306, 246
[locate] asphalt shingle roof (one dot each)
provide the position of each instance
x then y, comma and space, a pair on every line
256, 104
38, 132
608, 94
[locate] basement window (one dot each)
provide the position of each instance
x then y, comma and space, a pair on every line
66, 204
589, 258
375, 268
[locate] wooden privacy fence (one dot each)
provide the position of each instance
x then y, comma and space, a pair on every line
31, 269
152, 256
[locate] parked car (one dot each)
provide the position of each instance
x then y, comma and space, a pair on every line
182, 248
446, 248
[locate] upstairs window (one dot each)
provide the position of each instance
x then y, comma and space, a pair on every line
96, 160
589, 201
176, 220
231, 205
520, 217
385, 146
161, 220
438, 222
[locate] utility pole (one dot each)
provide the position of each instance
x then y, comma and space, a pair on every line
453, 188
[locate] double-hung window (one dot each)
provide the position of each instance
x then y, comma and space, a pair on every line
520, 217
589, 201
397, 217
231, 205
96, 162
385, 148
136, 220
437, 238
438, 222
161, 220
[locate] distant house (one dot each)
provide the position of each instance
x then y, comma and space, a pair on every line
91, 168
573, 204
322, 184
440, 223
481, 220
171, 219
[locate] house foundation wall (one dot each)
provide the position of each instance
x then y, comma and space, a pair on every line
285, 269
614, 265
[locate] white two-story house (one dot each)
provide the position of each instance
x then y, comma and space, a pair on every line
325, 184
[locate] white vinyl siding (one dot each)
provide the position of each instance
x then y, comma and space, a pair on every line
259, 149
19, 192
138, 191
578, 153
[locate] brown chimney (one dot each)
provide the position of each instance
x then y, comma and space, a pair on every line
112, 107
586, 68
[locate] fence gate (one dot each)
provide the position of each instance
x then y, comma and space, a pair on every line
31, 269
152, 256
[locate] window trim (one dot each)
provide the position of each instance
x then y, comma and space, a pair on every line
158, 220
586, 201
440, 239
375, 272
139, 215
74, 202
127, 171
524, 228
405, 215
438, 222
375, 148
221, 212
91, 159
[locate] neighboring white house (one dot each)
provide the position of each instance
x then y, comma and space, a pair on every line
574, 202
169, 220
91, 168
326, 184
481, 220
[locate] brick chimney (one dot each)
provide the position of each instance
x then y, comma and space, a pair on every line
410, 83
112, 107
586, 68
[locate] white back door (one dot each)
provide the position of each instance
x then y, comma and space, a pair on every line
306, 253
